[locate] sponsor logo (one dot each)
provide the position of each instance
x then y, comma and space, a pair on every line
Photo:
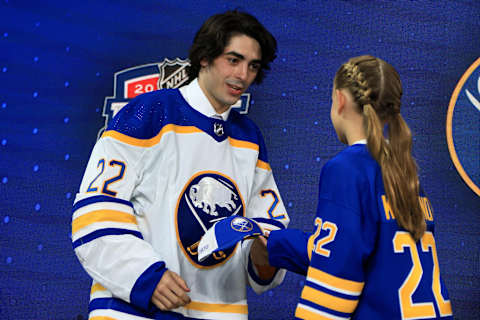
463, 120
207, 198
131, 82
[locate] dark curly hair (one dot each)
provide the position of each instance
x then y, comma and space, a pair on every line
212, 38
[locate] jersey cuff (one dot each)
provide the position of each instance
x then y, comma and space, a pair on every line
143, 288
287, 249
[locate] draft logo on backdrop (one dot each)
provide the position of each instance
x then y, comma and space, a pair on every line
131, 82
463, 127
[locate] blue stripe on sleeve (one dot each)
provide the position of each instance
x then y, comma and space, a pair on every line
95, 199
143, 288
105, 232
326, 310
122, 306
331, 292
115, 304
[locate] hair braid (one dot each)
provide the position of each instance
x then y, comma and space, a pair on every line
360, 89
361, 92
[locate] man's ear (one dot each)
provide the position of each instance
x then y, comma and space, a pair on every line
204, 63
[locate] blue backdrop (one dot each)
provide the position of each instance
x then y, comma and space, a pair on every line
57, 65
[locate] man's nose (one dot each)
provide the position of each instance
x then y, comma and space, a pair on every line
241, 72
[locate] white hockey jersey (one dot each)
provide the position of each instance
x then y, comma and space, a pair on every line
159, 177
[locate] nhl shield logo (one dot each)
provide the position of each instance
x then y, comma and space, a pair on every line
218, 129
173, 73
207, 198
168, 74
463, 133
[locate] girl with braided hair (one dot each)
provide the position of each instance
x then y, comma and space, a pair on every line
372, 254
374, 89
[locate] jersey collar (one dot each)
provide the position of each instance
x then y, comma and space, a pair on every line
362, 141
195, 97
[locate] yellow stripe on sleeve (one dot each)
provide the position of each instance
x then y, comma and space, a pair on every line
152, 141
97, 287
308, 315
214, 307
263, 165
243, 144
101, 216
329, 301
335, 282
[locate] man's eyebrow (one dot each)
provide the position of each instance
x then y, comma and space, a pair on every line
241, 56
236, 54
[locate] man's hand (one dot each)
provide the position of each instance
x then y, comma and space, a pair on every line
259, 256
258, 251
171, 292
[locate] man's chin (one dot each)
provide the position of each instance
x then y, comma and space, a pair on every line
233, 100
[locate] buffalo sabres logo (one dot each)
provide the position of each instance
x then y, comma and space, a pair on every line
463, 118
131, 82
207, 198
241, 224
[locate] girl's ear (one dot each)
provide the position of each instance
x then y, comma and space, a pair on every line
341, 100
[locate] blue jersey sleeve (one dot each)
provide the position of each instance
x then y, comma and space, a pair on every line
287, 249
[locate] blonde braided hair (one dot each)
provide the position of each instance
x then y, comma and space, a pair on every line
361, 91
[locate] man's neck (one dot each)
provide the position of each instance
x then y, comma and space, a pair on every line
219, 109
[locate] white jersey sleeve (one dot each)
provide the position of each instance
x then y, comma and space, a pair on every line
105, 231
265, 202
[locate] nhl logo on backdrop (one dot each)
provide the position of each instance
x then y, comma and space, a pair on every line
463, 119
131, 82
206, 198
172, 73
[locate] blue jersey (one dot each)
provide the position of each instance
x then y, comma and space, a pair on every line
359, 263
